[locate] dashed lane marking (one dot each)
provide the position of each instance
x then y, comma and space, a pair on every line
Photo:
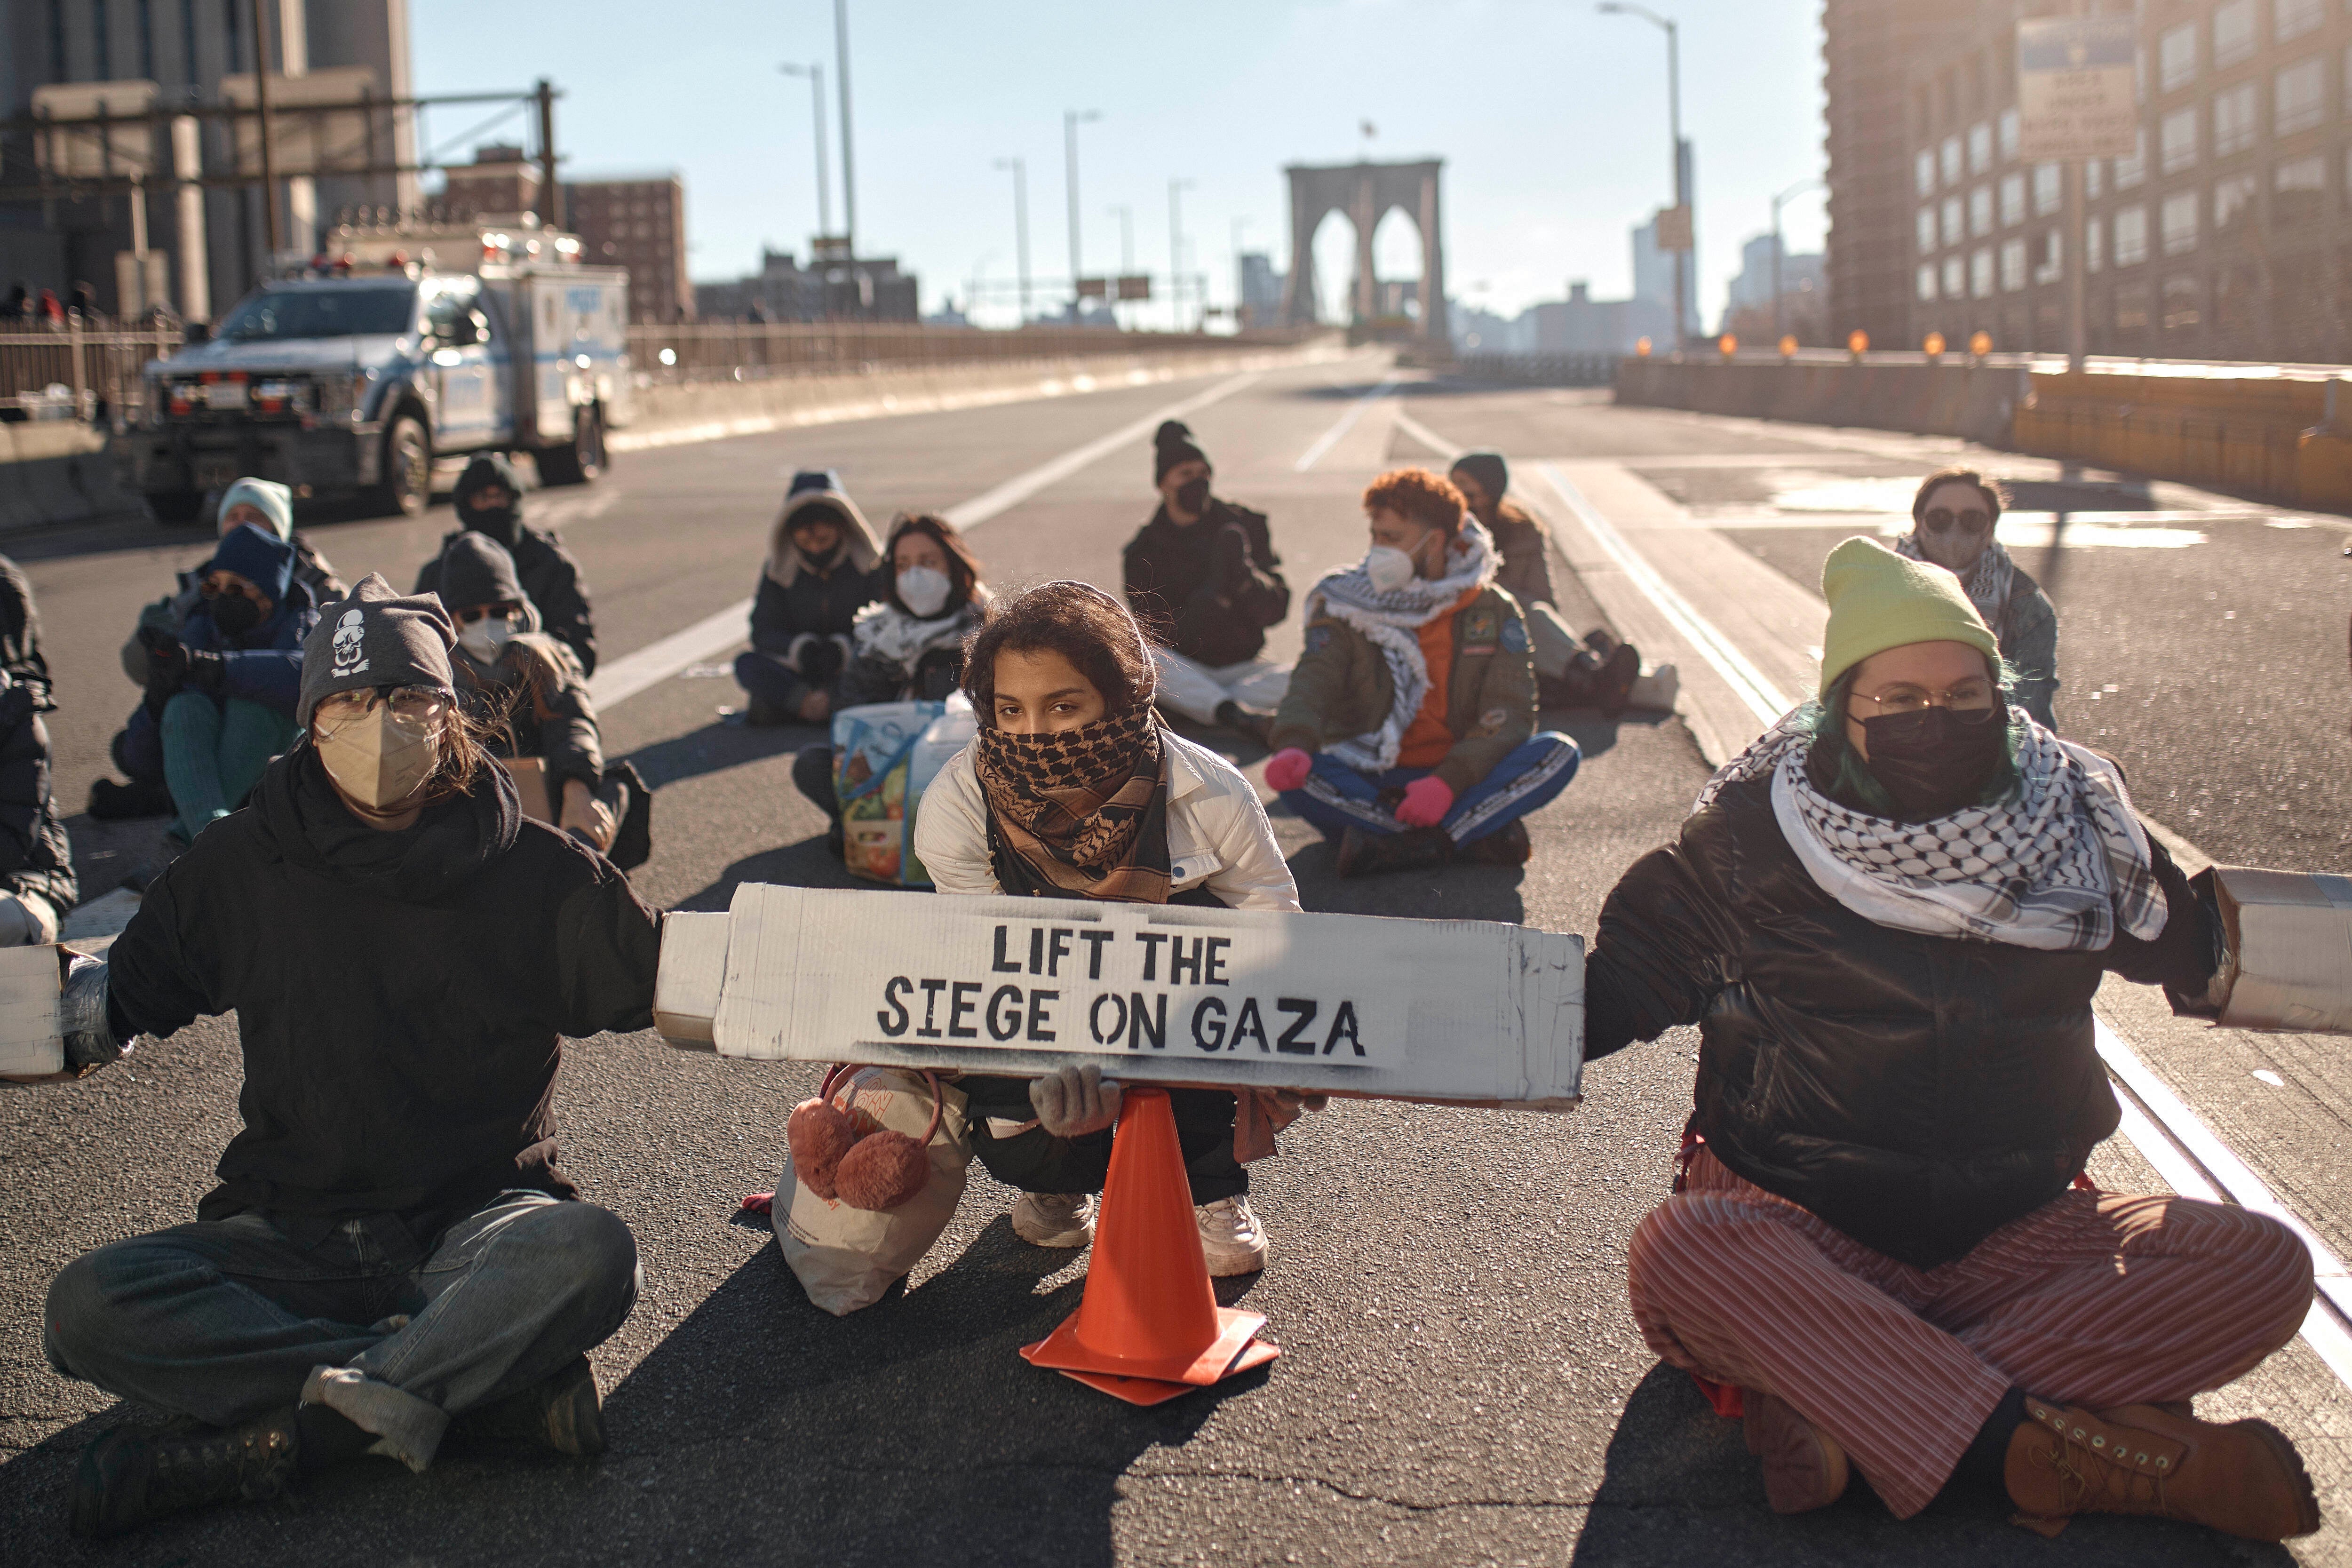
1346, 422
624, 678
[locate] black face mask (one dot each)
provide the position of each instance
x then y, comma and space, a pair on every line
234, 615
1192, 495
1935, 762
498, 522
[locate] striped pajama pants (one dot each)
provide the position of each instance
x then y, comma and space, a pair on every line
2094, 1299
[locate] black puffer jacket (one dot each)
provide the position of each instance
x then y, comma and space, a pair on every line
549, 574
1210, 588
1918, 1092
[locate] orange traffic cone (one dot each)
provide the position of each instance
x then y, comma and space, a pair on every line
1148, 1327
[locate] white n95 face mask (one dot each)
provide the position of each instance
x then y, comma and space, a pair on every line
924, 591
379, 759
488, 637
1387, 567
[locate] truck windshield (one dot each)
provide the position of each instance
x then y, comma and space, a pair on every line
322, 313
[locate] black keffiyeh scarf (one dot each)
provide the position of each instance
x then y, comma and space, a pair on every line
1082, 813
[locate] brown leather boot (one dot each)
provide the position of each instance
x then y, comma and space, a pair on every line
1507, 845
1364, 854
2244, 1477
1804, 1468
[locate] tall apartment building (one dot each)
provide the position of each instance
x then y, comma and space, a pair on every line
638, 221
186, 49
2226, 235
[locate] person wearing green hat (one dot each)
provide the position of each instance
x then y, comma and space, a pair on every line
1887, 918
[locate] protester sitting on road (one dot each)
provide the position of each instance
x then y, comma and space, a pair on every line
824, 567
909, 647
264, 504
490, 501
1592, 671
1888, 916
391, 1245
1952, 520
221, 691
1409, 732
1074, 789
522, 687
36, 874
1204, 579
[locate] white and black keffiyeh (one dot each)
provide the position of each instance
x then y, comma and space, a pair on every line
2056, 865
1988, 582
884, 631
1390, 621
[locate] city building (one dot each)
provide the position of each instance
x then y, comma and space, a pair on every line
2226, 235
1869, 49
499, 182
638, 221
1650, 313
1259, 287
138, 56
1747, 312
1581, 325
831, 286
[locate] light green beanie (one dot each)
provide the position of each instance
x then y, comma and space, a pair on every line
1880, 600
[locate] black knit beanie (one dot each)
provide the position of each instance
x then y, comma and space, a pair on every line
375, 637
1173, 444
1494, 476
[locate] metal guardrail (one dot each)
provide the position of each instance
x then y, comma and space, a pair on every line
754, 350
98, 366
1540, 369
2040, 363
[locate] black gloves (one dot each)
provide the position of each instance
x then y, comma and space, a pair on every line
207, 671
172, 667
1233, 561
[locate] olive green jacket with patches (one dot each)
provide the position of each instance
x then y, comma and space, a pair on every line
1342, 688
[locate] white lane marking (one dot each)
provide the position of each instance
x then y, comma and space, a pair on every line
2186, 1173
1751, 685
624, 678
1428, 437
1330, 438
2197, 1164
1014, 491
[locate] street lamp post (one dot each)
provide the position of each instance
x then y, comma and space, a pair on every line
1780, 330
1071, 120
848, 168
1020, 225
815, 75
1176, 189
1675, 129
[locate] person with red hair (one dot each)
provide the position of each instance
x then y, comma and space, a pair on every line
1409, 731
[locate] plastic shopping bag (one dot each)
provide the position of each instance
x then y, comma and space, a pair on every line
884, 755
846, 1257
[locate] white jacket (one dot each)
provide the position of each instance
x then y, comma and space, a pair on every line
1218, 835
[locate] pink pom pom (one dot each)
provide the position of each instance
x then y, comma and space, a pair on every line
883, 1171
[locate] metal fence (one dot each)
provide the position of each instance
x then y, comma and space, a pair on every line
74, 368
756, 351
1540, 369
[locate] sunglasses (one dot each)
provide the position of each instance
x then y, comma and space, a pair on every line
228, 590
468, 617
1942, 520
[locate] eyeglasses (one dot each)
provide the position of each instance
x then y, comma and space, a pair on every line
1969, 700
409, 704
503, 612
1942, 520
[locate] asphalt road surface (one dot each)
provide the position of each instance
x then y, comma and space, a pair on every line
1461, 1381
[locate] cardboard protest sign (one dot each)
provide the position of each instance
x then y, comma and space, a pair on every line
2290, 962
32, 1039
1457, 1010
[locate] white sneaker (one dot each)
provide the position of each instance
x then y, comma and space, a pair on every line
1231, 1240
1054, 1219
1655, 689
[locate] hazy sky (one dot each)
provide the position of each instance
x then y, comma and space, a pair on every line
1551, 121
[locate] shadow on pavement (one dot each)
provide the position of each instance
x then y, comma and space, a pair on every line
1679, 1485
718, 746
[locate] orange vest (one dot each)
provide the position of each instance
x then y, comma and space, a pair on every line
1427, 739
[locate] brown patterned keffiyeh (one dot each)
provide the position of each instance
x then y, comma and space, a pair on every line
1082, 812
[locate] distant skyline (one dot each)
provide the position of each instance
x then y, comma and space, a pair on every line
1551, 121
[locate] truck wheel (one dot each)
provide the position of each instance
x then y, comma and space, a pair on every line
177, 509
407, 484
581, 459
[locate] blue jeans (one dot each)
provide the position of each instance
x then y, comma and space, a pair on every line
1336, 797
229, 1320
